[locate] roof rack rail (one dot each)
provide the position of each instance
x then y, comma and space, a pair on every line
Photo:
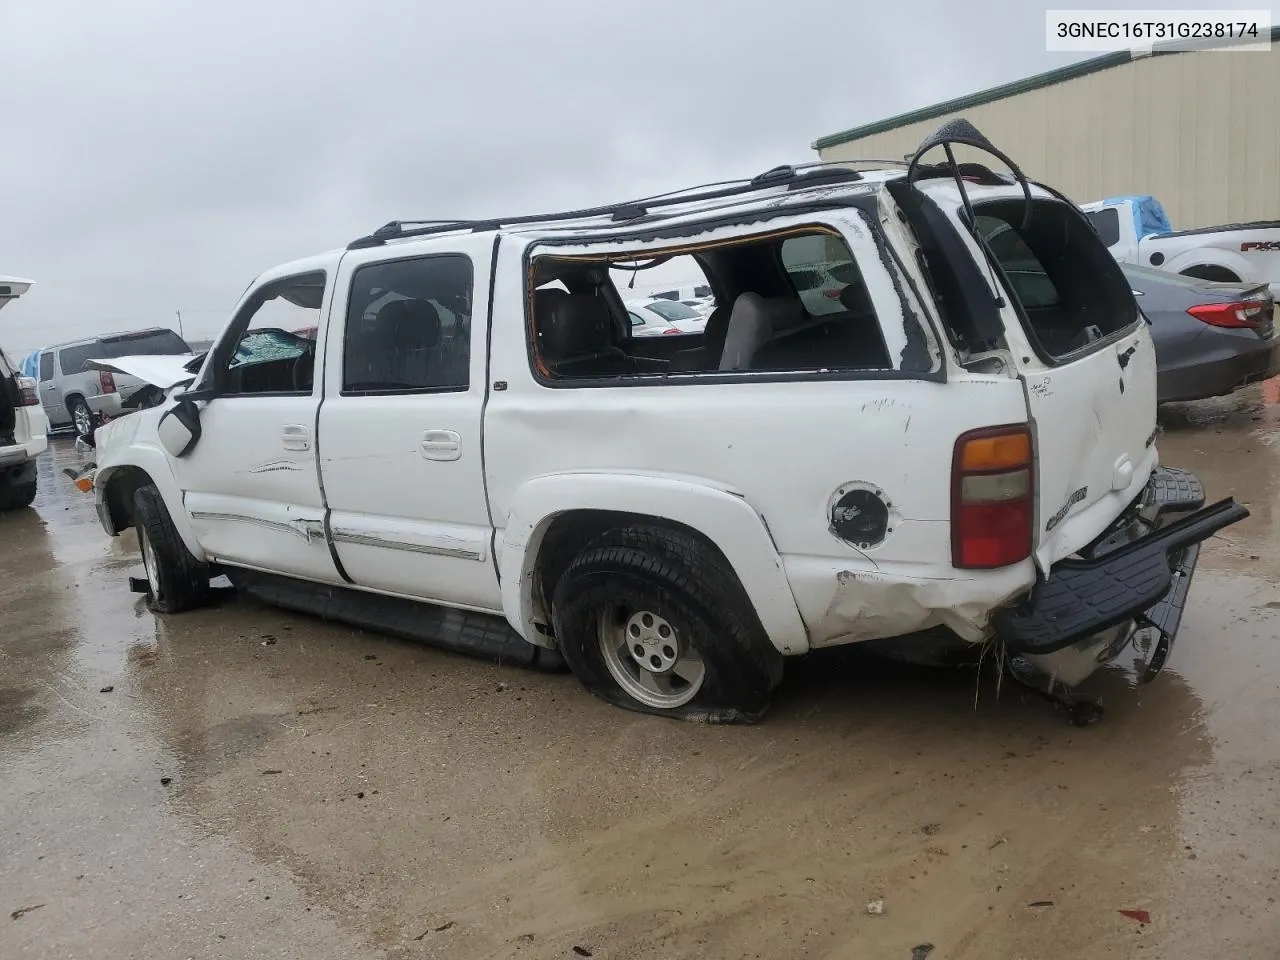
792, 177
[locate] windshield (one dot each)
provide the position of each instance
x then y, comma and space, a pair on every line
673, 310
149, 342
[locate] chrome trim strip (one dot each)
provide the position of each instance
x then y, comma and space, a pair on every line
269, 524
366, 540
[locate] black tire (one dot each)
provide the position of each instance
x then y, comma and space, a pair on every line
690, 586
177, 580
16, 496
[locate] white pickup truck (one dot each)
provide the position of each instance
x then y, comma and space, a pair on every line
1137, 230
954, 452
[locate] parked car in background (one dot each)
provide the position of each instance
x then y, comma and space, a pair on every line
1137, 230
23, 425
704, 305
1211, 338
648, 317
685, 291
74, 396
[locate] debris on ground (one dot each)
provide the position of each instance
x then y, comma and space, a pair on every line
1041, 903
440, 929
107, 689
876, 908
922, 951
582, 951
371, 656
1142, 916
165, 781
269, 773
502, 687
997, 842
931, 829
23, 911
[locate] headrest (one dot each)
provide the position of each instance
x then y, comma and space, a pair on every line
576, 325
413, 323
854, 297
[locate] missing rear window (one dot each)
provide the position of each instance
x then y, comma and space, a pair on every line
1067, 287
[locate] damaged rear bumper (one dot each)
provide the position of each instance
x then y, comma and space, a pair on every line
1136, 574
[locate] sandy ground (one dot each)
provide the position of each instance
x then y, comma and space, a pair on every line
259, 784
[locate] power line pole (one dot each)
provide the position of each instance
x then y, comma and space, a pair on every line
181, 333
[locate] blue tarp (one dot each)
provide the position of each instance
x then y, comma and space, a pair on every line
30, 365
1149, 217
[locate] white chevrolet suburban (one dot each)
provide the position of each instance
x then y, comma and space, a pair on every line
23, 427
951, 454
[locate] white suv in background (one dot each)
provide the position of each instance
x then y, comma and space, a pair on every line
22, 421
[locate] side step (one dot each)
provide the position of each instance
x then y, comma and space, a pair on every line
461, 631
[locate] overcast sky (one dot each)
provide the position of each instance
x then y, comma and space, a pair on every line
157, 154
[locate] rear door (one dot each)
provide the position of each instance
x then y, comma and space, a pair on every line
400, 426
1087, 363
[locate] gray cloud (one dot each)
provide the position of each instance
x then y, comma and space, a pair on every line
159, 155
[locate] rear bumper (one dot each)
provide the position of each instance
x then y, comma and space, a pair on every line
1138, 571
1257, 360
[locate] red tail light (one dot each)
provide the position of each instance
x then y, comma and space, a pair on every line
27, 391
831, 293
670, 330
992, 497
106, 382
1246, 314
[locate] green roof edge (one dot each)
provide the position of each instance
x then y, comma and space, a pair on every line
1081, 68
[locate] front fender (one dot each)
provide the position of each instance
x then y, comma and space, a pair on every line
130, 443
718, 513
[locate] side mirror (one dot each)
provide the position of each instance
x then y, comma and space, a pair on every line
179, 428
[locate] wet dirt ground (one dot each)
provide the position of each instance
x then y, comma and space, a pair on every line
260, 784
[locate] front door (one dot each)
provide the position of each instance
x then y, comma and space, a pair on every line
400, 426
250, 483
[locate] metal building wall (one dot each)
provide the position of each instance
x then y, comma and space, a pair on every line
1200, 131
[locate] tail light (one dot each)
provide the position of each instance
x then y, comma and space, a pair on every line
1241, 314
27, 391
992, 497
670, 330
831, 293
106, 382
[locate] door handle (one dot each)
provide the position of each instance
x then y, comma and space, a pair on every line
295, 437
441, 445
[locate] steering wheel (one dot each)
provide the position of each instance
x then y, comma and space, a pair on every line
304, 368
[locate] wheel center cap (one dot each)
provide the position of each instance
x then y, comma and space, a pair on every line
651, 642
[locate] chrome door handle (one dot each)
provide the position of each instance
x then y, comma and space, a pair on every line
441, 445
295, 437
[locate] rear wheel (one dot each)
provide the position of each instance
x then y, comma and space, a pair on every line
654, 620
1212, 273
16, 496
177, 581
81, 417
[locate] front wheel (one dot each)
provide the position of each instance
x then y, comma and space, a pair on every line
176, 580
653, 620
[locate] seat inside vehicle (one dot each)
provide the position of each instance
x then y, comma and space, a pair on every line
780, 307
576, 339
